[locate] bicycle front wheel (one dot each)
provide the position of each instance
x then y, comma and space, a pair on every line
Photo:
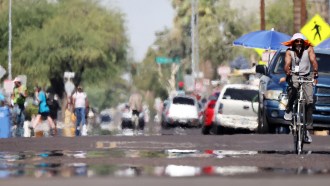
300, 123
295, 133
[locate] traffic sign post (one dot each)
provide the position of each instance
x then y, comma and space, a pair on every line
166, 60
316, 30
68, 85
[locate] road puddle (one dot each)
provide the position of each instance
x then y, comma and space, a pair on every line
43, 164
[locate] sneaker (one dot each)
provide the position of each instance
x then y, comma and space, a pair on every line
288, 115
53, 132
31, 131
308, 137
84, 130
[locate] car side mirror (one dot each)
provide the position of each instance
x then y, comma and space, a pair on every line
261, 69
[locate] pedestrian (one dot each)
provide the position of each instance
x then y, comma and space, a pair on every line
180, 90
135, 104
300, 61
43, 112
18, 100
54, 106
80, 103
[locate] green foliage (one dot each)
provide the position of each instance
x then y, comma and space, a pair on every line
218, 26
280, 16
30, 110
50, 38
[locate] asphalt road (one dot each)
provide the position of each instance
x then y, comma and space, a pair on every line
178, 156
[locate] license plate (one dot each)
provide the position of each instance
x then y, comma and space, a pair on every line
183, 121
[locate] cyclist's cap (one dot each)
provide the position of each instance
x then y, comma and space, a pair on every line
297, 36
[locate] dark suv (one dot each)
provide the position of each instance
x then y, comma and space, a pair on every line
271, 106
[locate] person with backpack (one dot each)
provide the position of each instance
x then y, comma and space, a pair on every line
54, 106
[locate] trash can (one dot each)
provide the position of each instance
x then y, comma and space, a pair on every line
5, 124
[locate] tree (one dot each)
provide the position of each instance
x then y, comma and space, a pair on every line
51, 37
279, 15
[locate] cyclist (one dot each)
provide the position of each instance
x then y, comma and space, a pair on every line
135, 104
299, 58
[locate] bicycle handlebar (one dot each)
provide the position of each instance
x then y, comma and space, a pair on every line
303, 80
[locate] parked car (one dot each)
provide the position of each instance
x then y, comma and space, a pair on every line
208, 115
181, 110
105, 121
272, 104
236, 108
126, 119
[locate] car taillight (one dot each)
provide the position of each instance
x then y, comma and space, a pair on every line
220, 108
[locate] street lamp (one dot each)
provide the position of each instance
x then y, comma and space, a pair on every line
194, 39
9, 42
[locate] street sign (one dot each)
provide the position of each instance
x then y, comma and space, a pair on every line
69, 87
316, 30
166, 60
2, 71
8, 85
69, 75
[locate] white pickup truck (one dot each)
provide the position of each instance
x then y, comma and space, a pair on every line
236, 108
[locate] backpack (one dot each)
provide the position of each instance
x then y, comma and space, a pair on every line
50, 100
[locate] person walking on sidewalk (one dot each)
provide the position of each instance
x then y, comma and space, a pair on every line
135, 104
80, 103
18, 97
43, 112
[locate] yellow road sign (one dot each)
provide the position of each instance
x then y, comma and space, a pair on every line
316, 30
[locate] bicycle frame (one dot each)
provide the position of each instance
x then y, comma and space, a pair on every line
298, 119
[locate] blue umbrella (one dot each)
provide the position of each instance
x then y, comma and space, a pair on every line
324, 44
264, 39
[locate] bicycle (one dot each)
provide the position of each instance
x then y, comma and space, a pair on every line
298, 126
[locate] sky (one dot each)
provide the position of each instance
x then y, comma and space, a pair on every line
143, 19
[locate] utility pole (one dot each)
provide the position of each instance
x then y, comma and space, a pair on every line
303, 13
262, 15
299, 14
197, 39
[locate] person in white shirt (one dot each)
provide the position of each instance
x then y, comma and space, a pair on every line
80, 103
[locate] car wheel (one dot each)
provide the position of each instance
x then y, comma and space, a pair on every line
164, 125
206, 130
263, 126
141, 124
216, 129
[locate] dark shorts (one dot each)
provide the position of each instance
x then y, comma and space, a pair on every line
44, 114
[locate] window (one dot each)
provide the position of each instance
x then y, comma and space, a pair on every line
183, 100
279, 67
241, 94
323, 61
105, 118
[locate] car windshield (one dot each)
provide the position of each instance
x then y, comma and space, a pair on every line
183, 100
323, 61
241, 94
105, 118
